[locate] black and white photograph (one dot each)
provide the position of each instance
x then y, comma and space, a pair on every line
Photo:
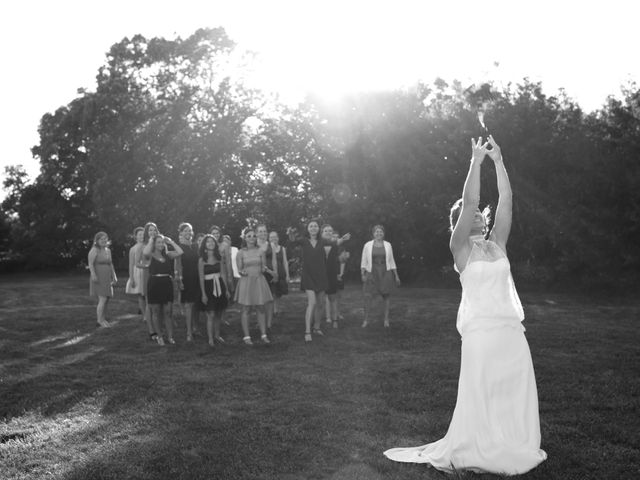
341, 240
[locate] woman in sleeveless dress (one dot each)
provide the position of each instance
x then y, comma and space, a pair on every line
160, 285
135, 283
495, 426
379, 273
314, 273
271, 276
103, 275
252, 290
150, 230
281, 286
213, 286
187, 276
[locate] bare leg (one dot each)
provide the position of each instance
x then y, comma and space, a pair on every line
268, 308
142, 306
217, 320
318, 312
157, 314
311, 308
261, 312
100, 311
327, 309
244, 320
386, 310
367, 309
189, 308
210, 326
167, 310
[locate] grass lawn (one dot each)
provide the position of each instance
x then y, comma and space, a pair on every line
78, 402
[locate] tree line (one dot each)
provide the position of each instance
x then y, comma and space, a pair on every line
173, 133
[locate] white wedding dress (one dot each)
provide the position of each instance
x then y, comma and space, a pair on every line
495, 425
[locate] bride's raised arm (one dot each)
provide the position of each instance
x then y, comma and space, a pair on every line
502, 221
470, 198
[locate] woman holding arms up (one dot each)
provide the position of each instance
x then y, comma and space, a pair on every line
314, 274
160, 286
213, 286
103, 275
495, 426
379, 273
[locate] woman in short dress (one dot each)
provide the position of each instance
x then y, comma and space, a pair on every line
272, 274
135, 283
334, 275
150, 230
160, 286
252, 290
495, 426
314, 273
379, 273
213, 286
187, 276
103, 275
281, 286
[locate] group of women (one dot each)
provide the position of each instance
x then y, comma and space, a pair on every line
495, 425
211, 273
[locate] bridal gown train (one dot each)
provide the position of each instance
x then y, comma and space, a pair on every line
495, 425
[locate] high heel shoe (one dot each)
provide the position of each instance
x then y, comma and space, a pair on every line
247, 341
220, 340
317, 331
386, 323
265, 339
307, 337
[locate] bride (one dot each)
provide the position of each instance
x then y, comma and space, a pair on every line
495, 425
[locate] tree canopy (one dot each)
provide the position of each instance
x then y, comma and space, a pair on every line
172, 133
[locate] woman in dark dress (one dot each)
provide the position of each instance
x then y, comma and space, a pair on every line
281, 286
262, 235
187, 276
314, 274
160, 286
214, 291
334, 276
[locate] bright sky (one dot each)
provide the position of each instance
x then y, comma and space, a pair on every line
49, 49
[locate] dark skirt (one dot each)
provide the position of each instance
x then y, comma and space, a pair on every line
159, 290
214, 304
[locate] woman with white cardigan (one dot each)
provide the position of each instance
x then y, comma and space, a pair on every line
379, 273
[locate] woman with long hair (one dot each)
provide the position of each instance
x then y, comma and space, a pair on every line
495, 426
252, 290
281, 286
271, 273
135, 283
335, 270
160, 286
379, 273
314, 273
186, 268
103, 275
213, 286
150, 231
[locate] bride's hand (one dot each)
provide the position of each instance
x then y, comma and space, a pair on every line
495, 153
478, 150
